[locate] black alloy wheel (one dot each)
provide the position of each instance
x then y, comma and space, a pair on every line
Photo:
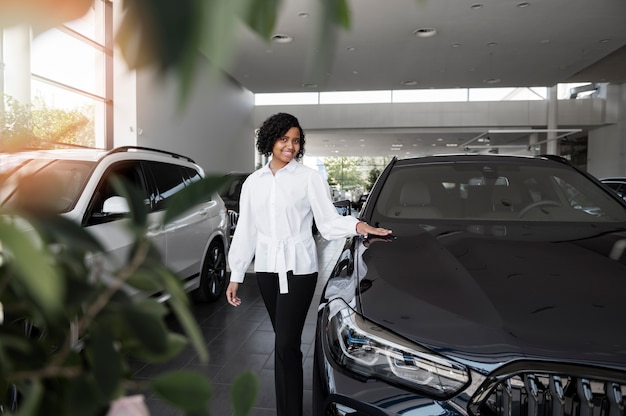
213, 275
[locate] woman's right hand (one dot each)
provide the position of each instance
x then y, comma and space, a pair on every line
231, 294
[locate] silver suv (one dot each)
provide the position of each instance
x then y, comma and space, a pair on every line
193, 245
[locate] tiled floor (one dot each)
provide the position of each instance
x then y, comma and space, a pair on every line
241, 339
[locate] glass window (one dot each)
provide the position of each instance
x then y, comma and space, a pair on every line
494, 191
430, 96
355, 97
79, 119
169, 179
130, 173
62, 58
52, 184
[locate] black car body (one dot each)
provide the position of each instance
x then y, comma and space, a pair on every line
502, 292
231, 194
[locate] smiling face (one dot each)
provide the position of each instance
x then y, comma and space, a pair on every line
286, 148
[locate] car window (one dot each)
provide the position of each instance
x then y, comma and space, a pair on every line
191, 175
129, 172
618, 187
515, 191
168, 179
54, 184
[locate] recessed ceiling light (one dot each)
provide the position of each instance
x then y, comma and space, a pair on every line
303, 14
492, 81
351, 49
492, 44
476, 6
281, 38
456, 45
409, 83
309, 85
605, 40
523, 4
425, 32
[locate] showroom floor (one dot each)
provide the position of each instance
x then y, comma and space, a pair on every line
241, 339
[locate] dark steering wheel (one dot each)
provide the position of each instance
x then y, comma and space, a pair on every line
538, 204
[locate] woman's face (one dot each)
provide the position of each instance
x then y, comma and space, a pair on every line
286, 147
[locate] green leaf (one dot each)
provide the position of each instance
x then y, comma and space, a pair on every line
197, 192
105, 360
147, 327
31, 398
261, 16
185, 389
34, 266
179, 302
80, 398
244, 393
68, 233
339, 12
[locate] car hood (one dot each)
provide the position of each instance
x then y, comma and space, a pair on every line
494, 293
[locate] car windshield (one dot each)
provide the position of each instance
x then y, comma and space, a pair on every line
494, 191
38, 183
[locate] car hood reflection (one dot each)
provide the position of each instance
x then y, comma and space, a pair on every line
494, 293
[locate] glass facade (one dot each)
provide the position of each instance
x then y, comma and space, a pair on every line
65, 81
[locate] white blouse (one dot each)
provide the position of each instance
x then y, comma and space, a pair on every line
275, 222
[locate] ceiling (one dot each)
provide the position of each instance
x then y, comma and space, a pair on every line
476, 44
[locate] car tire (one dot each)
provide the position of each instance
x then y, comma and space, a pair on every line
213, 274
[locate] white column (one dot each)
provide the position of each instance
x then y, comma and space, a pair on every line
532, 143
16, 59
606, 146
552, 146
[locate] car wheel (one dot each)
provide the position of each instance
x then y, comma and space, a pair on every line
213, 275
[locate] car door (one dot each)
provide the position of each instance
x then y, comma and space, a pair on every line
112, 229
186, 236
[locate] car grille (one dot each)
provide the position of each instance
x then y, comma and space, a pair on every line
533, 394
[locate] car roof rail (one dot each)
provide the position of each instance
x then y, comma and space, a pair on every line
150, 149
556, 158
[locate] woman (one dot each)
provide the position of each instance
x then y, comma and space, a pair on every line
277, 205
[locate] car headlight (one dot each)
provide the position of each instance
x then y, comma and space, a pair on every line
365, 348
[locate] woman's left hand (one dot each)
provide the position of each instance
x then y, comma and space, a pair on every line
365, 229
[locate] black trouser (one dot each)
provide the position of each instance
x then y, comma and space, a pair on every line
288, 312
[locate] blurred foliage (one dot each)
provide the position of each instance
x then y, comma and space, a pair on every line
68, 340
372, 176
355, 174
39, 126
344, 171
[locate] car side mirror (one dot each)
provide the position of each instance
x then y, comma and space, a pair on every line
115, 205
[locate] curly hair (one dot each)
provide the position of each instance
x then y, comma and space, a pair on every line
273, 129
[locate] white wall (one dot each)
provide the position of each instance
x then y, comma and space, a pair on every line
588, 112
606, 153
213, 126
